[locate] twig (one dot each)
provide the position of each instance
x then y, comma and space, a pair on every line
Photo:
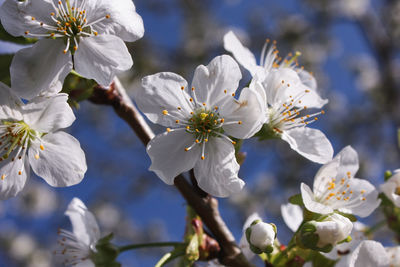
205, 206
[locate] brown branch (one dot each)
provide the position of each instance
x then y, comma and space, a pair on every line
205, 206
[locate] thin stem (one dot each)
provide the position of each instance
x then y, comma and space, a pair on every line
147, 245
276, 261
163, 260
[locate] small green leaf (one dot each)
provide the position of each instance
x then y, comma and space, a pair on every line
296, 200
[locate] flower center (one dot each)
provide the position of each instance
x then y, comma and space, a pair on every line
341, 191
203, 122
15, 138
289, 114
70, 23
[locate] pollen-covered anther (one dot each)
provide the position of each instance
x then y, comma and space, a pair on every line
168, 130
202, 157
3, 177
41, 147
37, 156
239, 122
108, 16
165, 112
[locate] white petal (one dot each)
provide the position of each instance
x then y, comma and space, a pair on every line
15, 174
84, 224
311, 203
16, 16
364, 199
307, 79
242, 54
85, 263
168, 155
62, 162
48, 114
101, 58
310, 143
124, 22
250, 110
9, 104
211, 81
217, 174
348, 162
282, 83
40, 68
389, 189
292, 215
162, 91
369, 254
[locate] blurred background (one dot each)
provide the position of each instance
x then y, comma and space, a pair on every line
352, 47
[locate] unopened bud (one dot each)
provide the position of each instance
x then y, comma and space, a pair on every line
323, 235
261, 236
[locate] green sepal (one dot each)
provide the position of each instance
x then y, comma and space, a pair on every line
106, 253
266, 133
307, 238
296, 200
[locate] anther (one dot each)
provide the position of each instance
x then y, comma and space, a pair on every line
41, 147
165, 112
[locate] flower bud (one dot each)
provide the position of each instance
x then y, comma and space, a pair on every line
323, 235
261, 236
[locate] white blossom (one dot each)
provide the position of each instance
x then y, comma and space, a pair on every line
31, 135
335, 188
391, 188
200, 119
87, 35
289, 92
77, 247
369, 254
